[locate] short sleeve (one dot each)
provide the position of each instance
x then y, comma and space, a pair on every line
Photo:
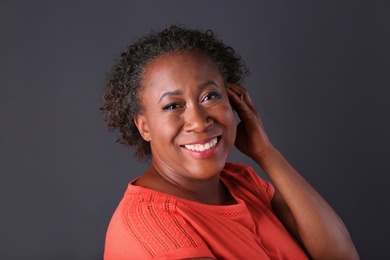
262, 185
246, 177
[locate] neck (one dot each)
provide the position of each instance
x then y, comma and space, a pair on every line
212, 192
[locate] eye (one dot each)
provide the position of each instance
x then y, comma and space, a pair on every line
172, 106
211, 95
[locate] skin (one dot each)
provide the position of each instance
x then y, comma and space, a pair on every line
191, 86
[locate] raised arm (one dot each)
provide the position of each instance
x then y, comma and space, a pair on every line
297, 204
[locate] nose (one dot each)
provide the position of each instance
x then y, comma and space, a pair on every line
196, 119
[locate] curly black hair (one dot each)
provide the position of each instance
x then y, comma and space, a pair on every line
121, 99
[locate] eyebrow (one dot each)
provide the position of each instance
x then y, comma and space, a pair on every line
207, 83
179, 92
168, 93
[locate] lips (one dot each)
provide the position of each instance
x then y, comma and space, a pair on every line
201, 147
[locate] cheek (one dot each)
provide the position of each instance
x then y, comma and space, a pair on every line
165, 129
233, 126
230, 120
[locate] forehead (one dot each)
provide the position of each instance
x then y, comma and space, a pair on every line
180, 68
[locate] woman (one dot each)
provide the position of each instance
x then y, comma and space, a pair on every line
171, 96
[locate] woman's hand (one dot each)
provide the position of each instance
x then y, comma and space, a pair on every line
251, 138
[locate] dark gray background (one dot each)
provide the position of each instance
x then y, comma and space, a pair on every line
320, 76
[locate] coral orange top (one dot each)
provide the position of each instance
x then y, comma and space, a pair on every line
152, 225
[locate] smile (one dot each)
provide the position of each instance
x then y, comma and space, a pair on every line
202, 147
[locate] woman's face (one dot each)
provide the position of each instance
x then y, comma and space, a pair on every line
187, 117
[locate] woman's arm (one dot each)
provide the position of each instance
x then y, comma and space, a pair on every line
297, 204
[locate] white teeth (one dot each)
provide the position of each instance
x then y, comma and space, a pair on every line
202, 147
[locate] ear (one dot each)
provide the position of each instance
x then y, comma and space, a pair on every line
143, 128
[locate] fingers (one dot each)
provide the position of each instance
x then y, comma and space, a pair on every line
237, 90
240, 98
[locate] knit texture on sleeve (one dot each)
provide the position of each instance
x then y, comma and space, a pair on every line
154, 229
154, 223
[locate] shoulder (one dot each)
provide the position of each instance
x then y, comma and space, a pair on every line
244, 177
146, 226
242, 173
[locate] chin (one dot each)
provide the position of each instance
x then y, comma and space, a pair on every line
206, 170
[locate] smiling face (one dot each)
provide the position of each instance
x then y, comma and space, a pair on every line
187, 117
